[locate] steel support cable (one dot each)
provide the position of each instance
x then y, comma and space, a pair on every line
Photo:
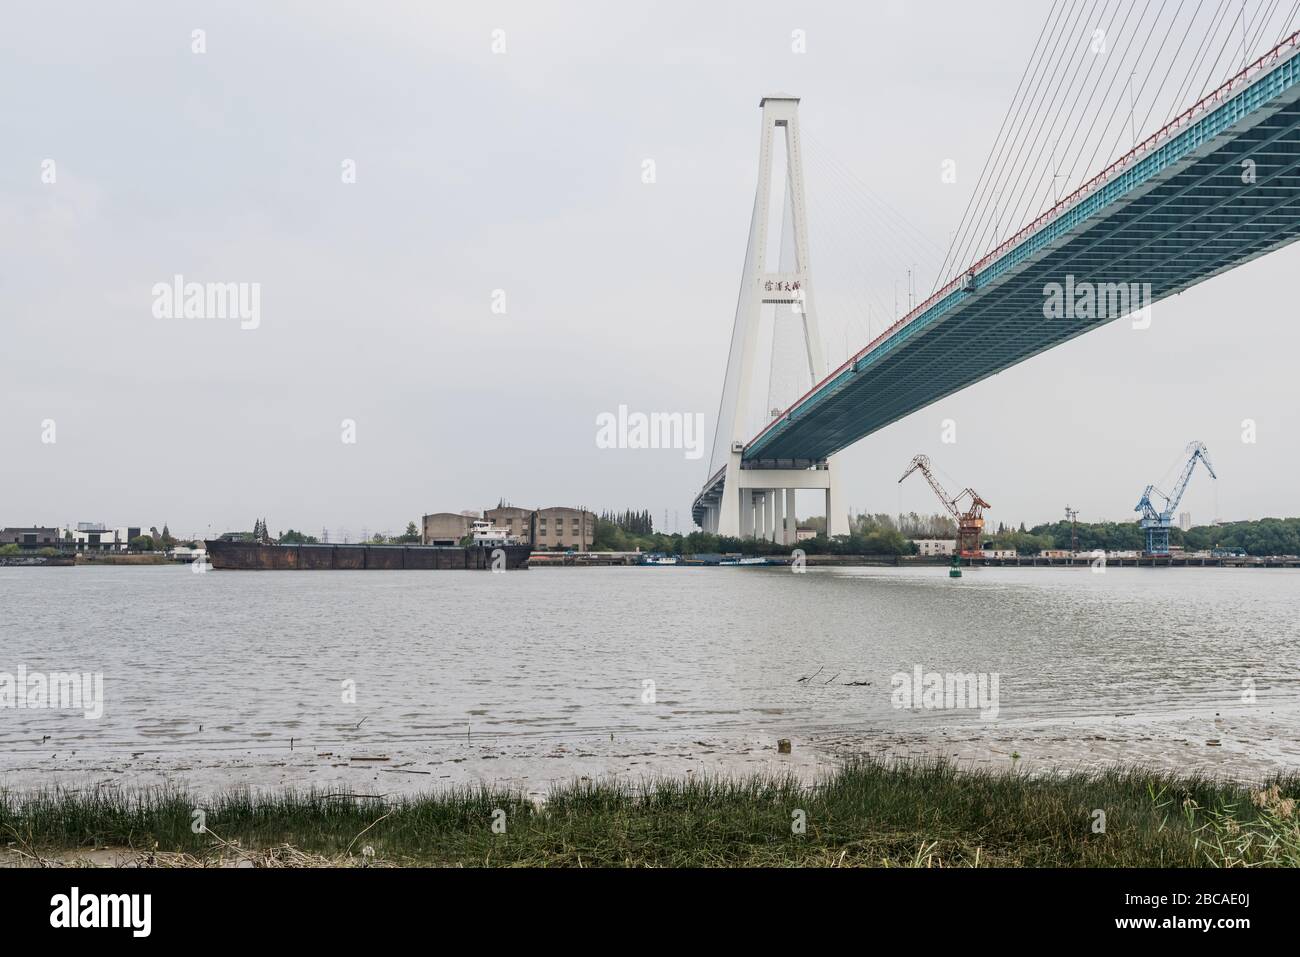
1248, 44
1284, 21
1155, 98
1013, 146
1286, 24
871, 234
841, 223
1119, 99
1251, 37
829, 288
996, 139
912, 253
1145, 80
892, 250
991, 185
1028, 187
829, 159
1005, 173
837, 228
1101, 135
1047, 194
1202, 49
920, 244
886, 253
1209, 76
999, 152
1114, 75
1214, 70
1253, 52
1142, 128
1008, 174
917, 256
1021, 167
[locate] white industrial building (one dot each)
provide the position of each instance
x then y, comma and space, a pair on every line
934, 546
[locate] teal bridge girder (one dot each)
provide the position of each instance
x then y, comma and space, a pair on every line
1181, 208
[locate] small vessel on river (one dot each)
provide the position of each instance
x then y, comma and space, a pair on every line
486, 554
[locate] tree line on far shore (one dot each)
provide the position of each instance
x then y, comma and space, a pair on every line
874, 534
882, 534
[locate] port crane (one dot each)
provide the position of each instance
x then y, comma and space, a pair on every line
970, 523
1156, 522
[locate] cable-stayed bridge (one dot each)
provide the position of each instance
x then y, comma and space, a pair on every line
1215, 187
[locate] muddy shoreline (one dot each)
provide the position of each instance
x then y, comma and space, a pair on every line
1246, 746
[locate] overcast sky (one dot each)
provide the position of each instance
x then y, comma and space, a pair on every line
522, 171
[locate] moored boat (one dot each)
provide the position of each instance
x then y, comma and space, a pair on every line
255, 556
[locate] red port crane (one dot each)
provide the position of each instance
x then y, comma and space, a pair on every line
970, 523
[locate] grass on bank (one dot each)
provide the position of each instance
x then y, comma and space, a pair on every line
868, 813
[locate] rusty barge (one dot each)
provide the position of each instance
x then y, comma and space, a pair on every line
252, 556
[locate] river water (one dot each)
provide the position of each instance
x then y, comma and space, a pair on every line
539, 675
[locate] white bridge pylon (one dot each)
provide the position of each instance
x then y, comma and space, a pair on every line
757, 498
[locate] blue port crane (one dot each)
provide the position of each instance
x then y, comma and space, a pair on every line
1157, 523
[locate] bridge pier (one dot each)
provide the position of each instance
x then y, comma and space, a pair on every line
760, 503
837, 516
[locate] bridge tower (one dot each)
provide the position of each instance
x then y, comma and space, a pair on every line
756, 498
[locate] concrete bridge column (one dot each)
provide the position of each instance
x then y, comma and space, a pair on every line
791, 519
837, 516
778, 524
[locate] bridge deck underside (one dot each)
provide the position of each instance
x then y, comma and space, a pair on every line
1196, 219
